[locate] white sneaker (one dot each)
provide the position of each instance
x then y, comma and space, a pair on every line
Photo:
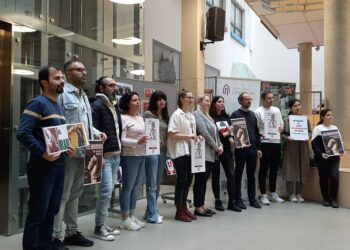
128, 224
160, 220
264, 200
112, 231
160, 216
275, 198
137, 221
300, 198
292, 198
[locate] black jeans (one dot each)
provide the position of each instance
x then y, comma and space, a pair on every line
269, 162
45, 188
226, 160
328, 170
200, 184
249, 157
183, 178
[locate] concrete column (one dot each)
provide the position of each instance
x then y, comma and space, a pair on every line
192, 63
305, 76
337, 67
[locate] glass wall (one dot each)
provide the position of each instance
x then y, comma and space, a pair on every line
64, 30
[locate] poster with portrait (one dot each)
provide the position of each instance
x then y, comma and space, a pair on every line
93, 162
152, 131
77, 135
332, 142
56, 139
144, 106
298, 127
240, 132
271, 126
197, 156
169, 167
222, 126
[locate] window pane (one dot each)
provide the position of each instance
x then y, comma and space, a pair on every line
238, 18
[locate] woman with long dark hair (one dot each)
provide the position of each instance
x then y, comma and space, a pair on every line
222, 120
132, 158
155, 164
296, 162
328, 166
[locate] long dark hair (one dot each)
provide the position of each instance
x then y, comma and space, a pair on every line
291, 103
212, 109
323, 114
124, 102
153, 107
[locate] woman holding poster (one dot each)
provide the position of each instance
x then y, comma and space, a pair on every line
328, 166
213, 148
155, 164
295, 166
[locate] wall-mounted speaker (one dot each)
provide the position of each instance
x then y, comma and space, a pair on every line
215, 24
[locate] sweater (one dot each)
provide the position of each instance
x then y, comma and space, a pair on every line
133, 130
163, 129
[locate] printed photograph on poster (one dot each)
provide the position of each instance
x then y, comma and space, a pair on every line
56, 139
148, 92
144, 106
169, 168
197, 156
332, 142
222, 126
152, 131
271, 126
240, 132
298, 127
77, 135
93, 162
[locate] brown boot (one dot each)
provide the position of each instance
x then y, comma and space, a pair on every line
181, 215
188, 213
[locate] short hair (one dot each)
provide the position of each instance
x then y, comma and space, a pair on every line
100, 82
182, 94
152, 106
69, 63
124, 102
44, 74
240, 96
265, 93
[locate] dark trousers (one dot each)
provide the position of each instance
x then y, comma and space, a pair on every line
249, 157
226, 160
328, 170
200, 184
269, 163
183, 179
45, 188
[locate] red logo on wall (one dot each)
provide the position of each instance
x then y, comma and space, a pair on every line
226, 89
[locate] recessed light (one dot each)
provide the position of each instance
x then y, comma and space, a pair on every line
23, 72
22, 28
127, 1
127, 41
138, 72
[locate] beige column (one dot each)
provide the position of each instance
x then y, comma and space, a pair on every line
305, 76
337, 67
192, 58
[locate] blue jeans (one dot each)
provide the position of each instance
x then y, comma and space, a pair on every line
154, 172
45, 188
132, 174
109, 175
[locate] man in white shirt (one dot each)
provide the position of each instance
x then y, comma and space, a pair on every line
270, 125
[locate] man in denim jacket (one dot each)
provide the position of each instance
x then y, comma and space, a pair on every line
77, 110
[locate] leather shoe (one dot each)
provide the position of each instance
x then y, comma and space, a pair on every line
209, 211
233, 207
334, 204
255, 203
78, 240
241, 205
202, 214
218, 206
326, 204
56, 244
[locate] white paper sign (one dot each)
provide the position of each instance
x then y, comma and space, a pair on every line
271, 126
197, 156
152, 131
298, 127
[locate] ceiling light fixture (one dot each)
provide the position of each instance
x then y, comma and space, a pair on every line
138, 72
23, 72
127, 41
127, 1
22, 28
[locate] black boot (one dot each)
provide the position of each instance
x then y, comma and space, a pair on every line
233, 207
218, 206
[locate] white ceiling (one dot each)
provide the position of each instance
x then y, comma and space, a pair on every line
292, 21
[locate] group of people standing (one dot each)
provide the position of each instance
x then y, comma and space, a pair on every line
56, 181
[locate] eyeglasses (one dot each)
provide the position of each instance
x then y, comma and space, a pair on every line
79, 70
189, 97
247, 99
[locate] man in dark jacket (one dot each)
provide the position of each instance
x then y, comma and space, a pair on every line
106, 118
249, 154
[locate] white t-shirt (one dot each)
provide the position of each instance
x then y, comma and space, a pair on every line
260, 115
182, 123
319, 128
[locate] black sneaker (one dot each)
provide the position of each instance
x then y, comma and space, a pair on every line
241, 205
219, 206
78, 240
233, 207
326, 203
334, 204
58, 245
255, 203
